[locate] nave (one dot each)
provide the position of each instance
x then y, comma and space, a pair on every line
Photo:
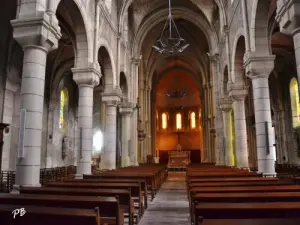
170, 205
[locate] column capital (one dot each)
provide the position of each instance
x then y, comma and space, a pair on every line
40, 31
112, 98
258, 66
225, 104
238, 94
86, 76
126, 109
135, 61
288, 15
214, 57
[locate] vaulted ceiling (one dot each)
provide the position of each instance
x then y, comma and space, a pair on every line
193, 64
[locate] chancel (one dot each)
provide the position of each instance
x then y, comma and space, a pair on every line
142, 112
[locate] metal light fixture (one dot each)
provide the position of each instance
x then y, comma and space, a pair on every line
170, 42
176, 94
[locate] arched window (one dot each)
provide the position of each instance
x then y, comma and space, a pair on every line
193, 120
164, 121
63, 110
178, 121
98, 141
295, 106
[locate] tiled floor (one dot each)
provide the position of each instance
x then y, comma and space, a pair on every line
170, 206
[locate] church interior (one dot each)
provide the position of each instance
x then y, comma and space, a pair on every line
150, 112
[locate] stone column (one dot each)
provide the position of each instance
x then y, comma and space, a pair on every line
241, 144
258, 69
86, 79
126, 111
226, 107
134, 116
110, 136
37, 36
134, 139
148, 131
213, 89
206, 157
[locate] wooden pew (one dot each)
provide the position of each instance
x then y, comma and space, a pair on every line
38, 215
210, 187
223, 174
150, 179
154, 174
135, 189
282, 188
109, 207
124, 196
269, 210
244, 183
247, 197
252, 221
233, 179
105, 180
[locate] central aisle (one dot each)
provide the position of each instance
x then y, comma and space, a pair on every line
170, 206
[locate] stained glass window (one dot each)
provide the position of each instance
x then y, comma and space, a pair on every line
178, 121
295, 106
164, 121
63, 108
193, 120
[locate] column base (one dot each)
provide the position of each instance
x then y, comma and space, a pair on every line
125, 162
269, 174
245, 168
78, 176
15, 190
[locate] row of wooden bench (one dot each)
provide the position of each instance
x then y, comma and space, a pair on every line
102, 198
231, 196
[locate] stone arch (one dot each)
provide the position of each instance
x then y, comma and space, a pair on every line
225, 81
185, 14
124, 85
83, 42
239, 48
259, 41
127, 3
105, 62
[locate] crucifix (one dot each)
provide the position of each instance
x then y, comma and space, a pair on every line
178, 137
178, 144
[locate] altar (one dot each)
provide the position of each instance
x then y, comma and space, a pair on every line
179, 159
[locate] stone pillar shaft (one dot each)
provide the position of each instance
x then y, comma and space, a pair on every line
85, 123
149, 136
32, 100
261, 98
86, 79
134, 142
258, 68
241, 144
125, 139
110, 137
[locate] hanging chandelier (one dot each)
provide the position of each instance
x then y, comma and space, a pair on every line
170, 41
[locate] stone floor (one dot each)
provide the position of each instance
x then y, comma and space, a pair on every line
170, 206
